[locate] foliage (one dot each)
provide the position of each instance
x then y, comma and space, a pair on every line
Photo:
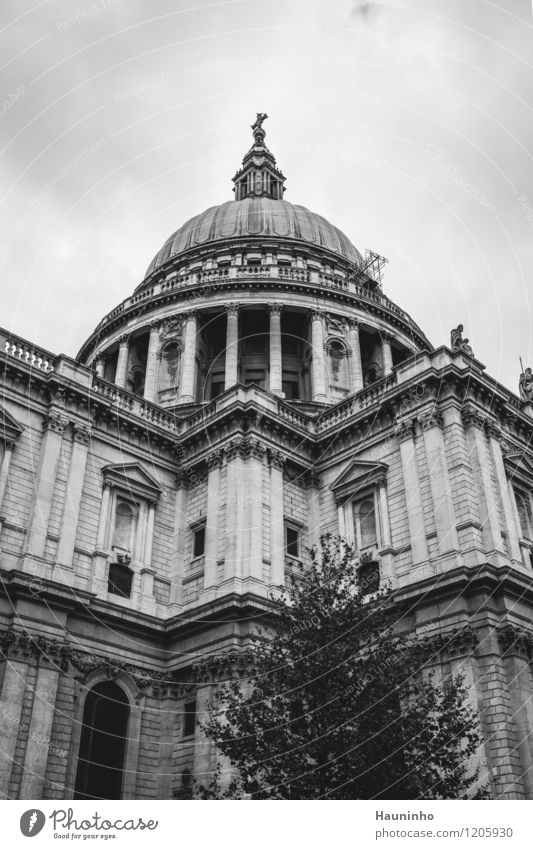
339, 703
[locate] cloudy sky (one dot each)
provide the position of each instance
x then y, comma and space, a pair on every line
407, 124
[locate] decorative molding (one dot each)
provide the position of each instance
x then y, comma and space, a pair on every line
124, 339
405, 429
215, 459
514, 640
277, 459
56, 422
433, 418
233, 307
275, 308
81, 433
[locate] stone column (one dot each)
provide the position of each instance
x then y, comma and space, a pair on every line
506, 495
276, 359
178, 538
152, 364
149, 536
480, 460
253, 555
277, 524
439, 479
99, 365
11, 699
413, 498
76, 474
386, 352
99, 576
9, 447
318, 364
38, 744
356, 366
121, 373
387, 556
236, 498
214, 463
232, 346
188, 374
54, 426
204, 754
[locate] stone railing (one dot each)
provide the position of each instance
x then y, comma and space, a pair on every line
227, 274
360, 401
21, 350
129, 403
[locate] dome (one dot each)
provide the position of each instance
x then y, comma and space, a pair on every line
257, 217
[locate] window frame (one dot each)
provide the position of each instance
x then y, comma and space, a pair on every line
195, 528
187, 714
291, 525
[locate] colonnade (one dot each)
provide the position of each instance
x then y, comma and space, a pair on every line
318, 339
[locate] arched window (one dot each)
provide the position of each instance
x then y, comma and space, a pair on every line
365, 523
125, 524
100, 767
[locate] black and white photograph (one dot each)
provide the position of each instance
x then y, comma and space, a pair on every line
266, 421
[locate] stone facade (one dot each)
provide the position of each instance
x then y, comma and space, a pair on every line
257, 390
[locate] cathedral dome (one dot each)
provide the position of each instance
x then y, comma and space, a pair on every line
261, 217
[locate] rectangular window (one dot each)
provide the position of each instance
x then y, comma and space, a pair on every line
119, 580
365, 524
292, 541
198, 541
525, 513
369, 577
189, 718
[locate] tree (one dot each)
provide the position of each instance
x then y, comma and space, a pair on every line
335, 702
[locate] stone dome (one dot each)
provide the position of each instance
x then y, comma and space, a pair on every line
261, 217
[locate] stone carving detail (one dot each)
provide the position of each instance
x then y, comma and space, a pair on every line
215, 459
55, 421
405, 429
526, 385
433, 418
471, 416
515, 640
457, 343
277, 460
81, 433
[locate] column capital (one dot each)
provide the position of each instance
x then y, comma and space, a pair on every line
100, 358
472, 417
55, 421
353, 324
316, 315
124, 340
9, 444
215, 459
81, 433
277, 459
190, 315
386, 336
233, 307
155, 325
432, 418
405, 429
275, 309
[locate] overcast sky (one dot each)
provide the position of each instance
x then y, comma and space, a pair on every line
407, 124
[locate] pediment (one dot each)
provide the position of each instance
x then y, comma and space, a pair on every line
10, 429
519, 466
134, 478
357, 476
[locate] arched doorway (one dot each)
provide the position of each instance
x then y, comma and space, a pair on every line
103, 743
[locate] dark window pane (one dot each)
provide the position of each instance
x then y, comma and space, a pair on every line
189, 718
369, 577
119, 580
199, 542
292, 542
103, 742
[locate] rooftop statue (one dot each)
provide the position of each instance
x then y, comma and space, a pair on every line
457, 343
526, 385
